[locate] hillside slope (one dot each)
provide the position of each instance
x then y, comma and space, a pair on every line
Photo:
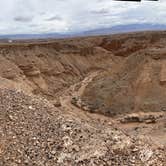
49, 68
137, 83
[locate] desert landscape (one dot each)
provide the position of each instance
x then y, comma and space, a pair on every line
84, 101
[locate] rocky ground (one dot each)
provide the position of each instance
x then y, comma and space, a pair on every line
34, 132
84, 101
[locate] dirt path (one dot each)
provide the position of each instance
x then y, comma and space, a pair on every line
66, 104
155, 132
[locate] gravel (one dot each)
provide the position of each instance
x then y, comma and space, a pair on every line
35, 133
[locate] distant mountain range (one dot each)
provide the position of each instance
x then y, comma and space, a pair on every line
126, 28
101, 31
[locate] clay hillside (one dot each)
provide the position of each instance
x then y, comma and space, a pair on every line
84, 101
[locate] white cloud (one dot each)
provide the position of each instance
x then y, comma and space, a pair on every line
43, 16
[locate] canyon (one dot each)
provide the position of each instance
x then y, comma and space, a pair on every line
97, 100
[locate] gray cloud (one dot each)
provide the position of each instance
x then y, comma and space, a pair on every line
42, 13
53, 18
100, 11
23, 19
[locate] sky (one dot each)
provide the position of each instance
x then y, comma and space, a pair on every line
66, 16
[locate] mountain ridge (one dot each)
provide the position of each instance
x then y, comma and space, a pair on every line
99, 31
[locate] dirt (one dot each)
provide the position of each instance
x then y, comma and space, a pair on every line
84, 101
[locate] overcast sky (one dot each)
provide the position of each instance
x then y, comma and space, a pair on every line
46, 16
